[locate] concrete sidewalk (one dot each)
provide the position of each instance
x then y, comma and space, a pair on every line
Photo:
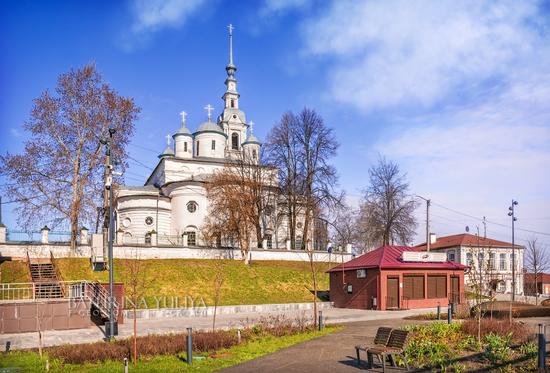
179, 325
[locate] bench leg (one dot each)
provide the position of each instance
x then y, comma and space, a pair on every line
358, 356
392, 360
383, 363
370, 360
406, 362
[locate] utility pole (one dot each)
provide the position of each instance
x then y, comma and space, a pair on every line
511, 213
428, 240
428, 203
484, 228
113, 327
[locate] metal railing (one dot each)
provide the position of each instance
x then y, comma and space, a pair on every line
72, 290
36, 236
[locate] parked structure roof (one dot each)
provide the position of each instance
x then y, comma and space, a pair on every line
390, 257
464, 239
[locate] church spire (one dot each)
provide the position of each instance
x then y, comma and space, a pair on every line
231, 96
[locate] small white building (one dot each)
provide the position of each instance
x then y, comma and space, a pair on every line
470, 250
173, 202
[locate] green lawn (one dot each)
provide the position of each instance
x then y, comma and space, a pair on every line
14, 271
31, 362
260, 283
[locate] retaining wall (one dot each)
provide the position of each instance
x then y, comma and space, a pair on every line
222, 310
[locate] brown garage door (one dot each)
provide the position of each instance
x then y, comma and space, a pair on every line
392, 298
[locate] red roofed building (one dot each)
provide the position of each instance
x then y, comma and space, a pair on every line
541, 286
397, 277
495, 257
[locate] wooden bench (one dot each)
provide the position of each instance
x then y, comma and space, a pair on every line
395, 347
381, 339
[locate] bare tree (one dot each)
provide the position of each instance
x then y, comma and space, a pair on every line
58, 176
239, 196
301, 147
537, 261
387, 211
135, 273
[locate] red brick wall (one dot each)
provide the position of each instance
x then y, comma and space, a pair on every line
363, 289
374, 285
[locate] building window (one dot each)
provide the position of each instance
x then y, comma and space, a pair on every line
254, 155
213, 144
501, 287
197, 148
232, 102
503, 262
185, 146
269, 241
469, 259
191, 238
235, 141
149, 220
437, 286
148, 238
361, 273
192, 206
413, 287
298, 243
481, 261
451, 256
491, 260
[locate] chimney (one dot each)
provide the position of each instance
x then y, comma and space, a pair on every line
433, 238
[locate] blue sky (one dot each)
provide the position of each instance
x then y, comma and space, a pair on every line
456, 92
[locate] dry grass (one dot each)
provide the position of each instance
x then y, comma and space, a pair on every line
520, 332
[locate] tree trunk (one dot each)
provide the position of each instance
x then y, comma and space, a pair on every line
135, 335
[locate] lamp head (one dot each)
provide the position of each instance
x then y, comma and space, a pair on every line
515, 203
112, 131
509, 214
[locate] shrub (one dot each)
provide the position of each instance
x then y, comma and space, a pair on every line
519, 331
545, 303
498, 347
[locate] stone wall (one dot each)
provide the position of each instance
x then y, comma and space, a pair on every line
222, 310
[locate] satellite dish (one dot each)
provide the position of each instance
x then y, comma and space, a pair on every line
467, 229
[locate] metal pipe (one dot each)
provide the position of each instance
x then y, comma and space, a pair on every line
321, 324
449, 315
190, 346
542, 348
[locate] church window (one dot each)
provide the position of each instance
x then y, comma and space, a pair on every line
148, 238
191, 238
126, 222
197, 148
185, 146
149, 220
269, 241
235, 141
213, 144
232, 102
192, 206
298, 243
254, 155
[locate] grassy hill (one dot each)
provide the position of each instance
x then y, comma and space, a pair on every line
262, 282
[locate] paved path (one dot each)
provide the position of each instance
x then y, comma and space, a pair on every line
175, 325
333, 353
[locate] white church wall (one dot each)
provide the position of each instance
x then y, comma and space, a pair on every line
182, 218
204, 148
180, 148
149, 252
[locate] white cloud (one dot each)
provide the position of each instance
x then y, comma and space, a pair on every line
403, 52
476, 158
152, 15
15, 132
279, 7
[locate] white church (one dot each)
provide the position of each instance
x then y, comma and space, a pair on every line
173, 204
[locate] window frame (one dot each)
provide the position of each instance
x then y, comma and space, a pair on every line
234, 141
416, 287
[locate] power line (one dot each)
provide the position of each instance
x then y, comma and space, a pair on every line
490, 221
140, 163
144, 148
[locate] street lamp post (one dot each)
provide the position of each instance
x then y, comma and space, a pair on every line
109, 185
511, 213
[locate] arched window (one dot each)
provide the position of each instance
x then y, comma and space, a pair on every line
232, 102
235, 141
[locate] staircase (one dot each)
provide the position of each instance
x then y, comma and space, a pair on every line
99, 296
44, 278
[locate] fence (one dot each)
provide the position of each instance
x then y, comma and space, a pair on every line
27, 290
33, 236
